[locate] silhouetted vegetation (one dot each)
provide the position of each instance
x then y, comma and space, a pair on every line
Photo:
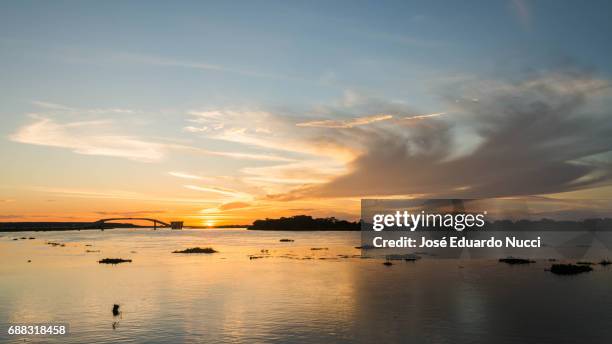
305, 223
114, 261
569, 269
197, 250
605, 262
513, 261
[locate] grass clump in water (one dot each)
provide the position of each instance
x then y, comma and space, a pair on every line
114, 261
197, 250
512, 261
569, 269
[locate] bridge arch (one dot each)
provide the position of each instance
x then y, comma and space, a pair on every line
155, 221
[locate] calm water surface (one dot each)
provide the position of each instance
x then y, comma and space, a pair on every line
291, 295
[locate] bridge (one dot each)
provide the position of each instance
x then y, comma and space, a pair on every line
173, 224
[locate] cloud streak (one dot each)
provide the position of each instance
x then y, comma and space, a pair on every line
88, 138
184, 175
349, 123
198, 65
116, 194
421, 117
218, 190
67, 109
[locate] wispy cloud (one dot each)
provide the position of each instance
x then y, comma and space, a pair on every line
117, 194
104, 137
268, 131
12, 216
184, 175
65, 108
420, 117
89, 138
349, 123
249, 156
406, 40
52, 106
359, 121
192, 129
234, 205
218, 190
198, 65
304, 172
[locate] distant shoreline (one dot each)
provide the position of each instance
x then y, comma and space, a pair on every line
8, 229
60, 226
298, 223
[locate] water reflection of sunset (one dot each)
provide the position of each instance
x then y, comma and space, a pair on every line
291, 293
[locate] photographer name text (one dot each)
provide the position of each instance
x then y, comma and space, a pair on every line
455, 242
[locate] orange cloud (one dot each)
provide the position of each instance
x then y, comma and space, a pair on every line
234, 205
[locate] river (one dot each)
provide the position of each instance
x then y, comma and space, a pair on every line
289, 294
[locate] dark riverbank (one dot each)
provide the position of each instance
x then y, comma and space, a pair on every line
59, 226
294, 223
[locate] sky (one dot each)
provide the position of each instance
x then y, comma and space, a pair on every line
225, 112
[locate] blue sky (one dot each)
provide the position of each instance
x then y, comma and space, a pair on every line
149, 74
282, 53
